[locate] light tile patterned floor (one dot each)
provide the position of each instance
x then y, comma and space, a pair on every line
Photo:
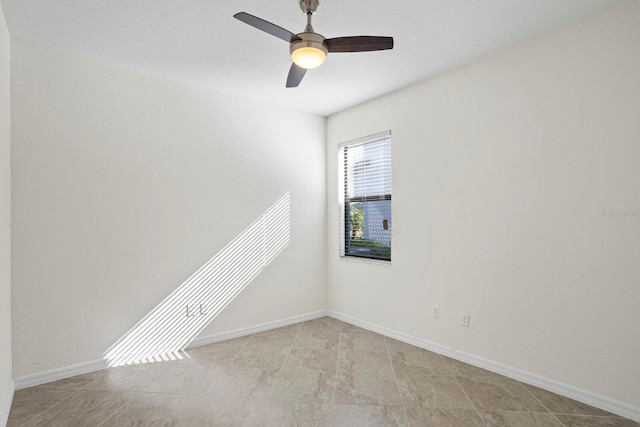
317, 373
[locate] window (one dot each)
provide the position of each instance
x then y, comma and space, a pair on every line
365, 197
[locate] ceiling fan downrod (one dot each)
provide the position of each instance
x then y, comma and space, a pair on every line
309, 7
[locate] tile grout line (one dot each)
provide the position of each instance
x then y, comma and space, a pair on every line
335, 377
284, 361
47, 385
463, 390
227, 363
55, 404
241, 348
256, 399
590, 415
124, 390
542, 404
395, 378
116, 411
144, 390
95, 379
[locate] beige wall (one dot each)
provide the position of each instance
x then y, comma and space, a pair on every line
5, 220
125, 183
502, 171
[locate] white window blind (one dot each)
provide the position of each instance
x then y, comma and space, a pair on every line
365, 191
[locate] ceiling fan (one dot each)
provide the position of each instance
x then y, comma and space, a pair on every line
309, 49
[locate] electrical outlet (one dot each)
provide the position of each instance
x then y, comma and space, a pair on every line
435, 312
193, 310
464, 319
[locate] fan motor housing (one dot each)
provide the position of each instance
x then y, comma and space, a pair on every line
309, 40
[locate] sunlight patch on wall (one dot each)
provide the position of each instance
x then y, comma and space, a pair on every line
168, 329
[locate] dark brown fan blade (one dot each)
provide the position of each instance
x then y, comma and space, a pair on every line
295, 75
359, 43
266, 26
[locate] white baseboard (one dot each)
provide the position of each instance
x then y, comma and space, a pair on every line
59, 373
96, 365
4, 415
210, 339
602, 402
605, 403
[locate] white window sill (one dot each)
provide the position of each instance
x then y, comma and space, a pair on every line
365, 260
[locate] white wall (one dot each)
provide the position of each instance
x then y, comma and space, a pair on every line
5, 219
125, 183
501, 172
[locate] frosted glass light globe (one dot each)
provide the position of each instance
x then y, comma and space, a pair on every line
308, 57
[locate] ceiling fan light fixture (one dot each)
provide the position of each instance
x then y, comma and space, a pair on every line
308, 57
309, 49
310, 52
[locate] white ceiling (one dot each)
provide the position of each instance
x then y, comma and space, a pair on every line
199, 41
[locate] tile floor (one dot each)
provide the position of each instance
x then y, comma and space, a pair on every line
317, 373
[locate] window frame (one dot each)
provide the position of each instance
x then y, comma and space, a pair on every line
344, 200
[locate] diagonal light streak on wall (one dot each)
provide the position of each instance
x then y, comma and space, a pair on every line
165, 332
